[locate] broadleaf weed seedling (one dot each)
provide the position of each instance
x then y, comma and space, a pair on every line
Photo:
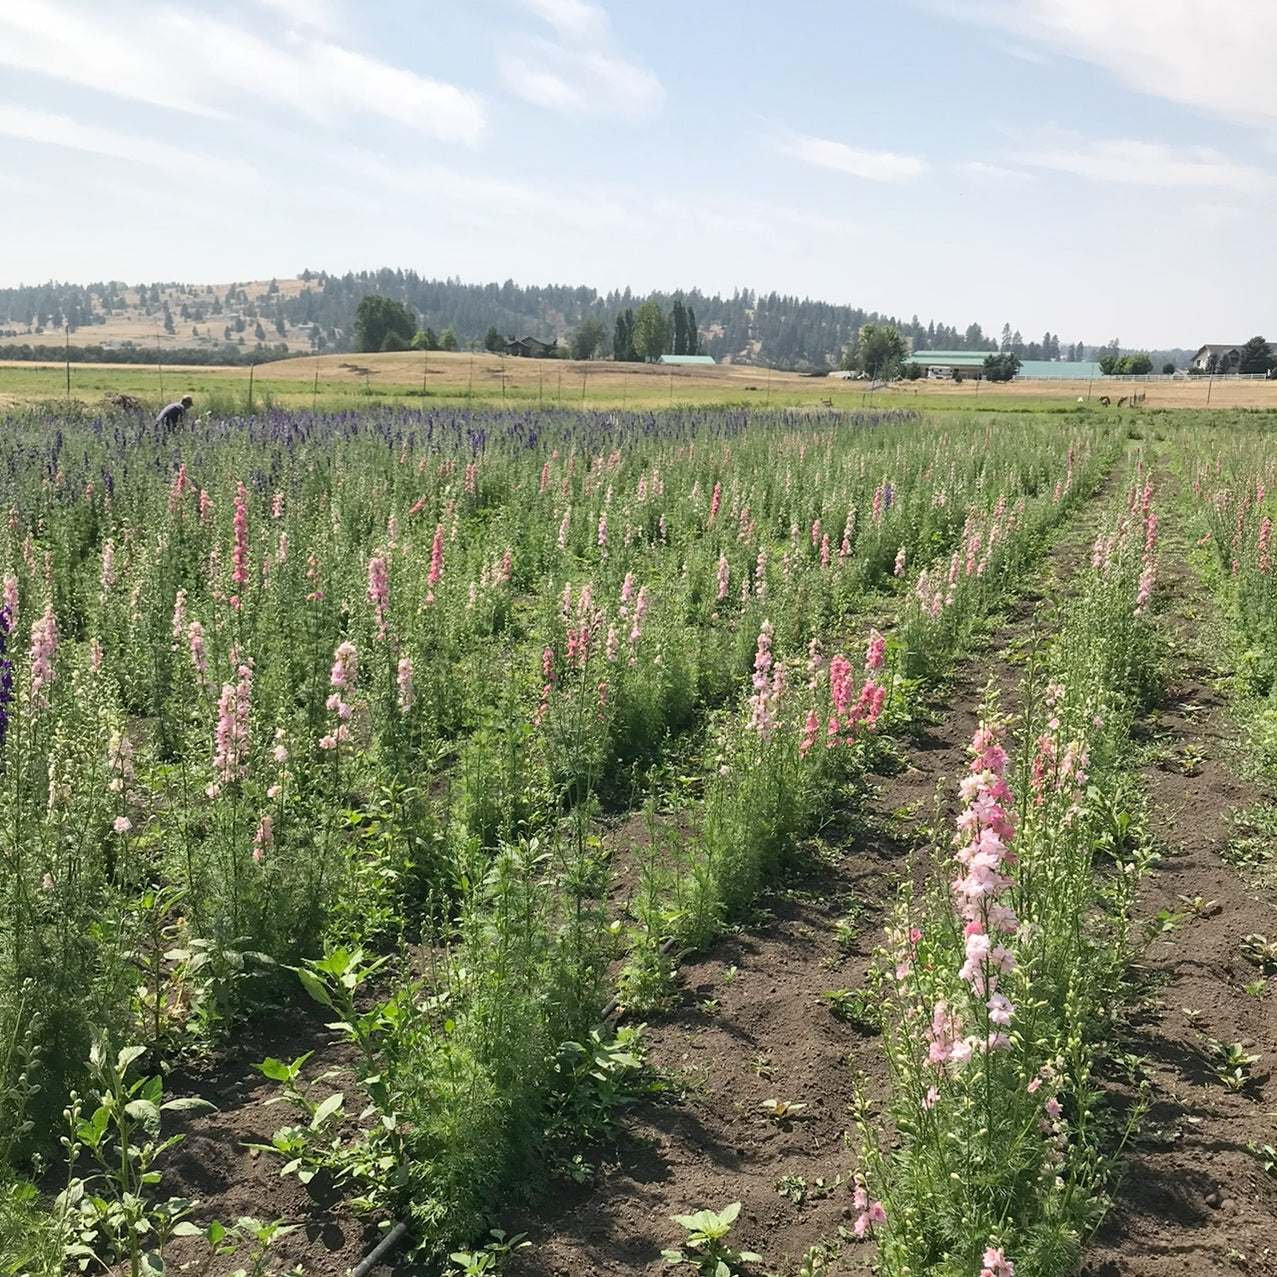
705, 1248
488, 1258
1261, 952
1230, 1062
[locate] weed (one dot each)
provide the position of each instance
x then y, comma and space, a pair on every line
594, 1081
1200, 907
705, 1248
856, 1006
108, 1215
816, 1262
489, 1257
1230, 1062
1163, 922
793, 1188
1260, 952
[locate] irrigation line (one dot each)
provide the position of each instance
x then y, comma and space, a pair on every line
380, 1251
400, 1230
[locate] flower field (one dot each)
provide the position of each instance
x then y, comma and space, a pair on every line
378, 788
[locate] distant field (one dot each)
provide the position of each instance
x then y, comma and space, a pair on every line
485, 378
134, 325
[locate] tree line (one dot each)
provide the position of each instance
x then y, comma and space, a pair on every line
772, 329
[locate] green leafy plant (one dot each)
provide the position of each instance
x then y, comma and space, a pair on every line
222, 1240
856, 1006
1260, 952
1163, 922
489, 1257
594, 1081
705, 1248
1230, 1062
816, 1262
109, 1215
1265, 1155
302, 1146
793, 1188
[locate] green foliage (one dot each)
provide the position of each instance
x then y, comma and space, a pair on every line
705, 1248
623, 339
109, 1216
1137, 365
489, 1257
379, 320
651, 331
1256, 357
878, 352
588, 338
1002, 367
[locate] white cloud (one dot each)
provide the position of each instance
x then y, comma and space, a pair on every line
584, 71
1122, 161
982, 171
541, 87
188, 61
317, 15
873, 166
26, 125
1201, 53
573, 19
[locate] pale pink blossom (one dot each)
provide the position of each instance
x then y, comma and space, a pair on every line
44, 643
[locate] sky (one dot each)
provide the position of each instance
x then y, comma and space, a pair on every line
1096, 168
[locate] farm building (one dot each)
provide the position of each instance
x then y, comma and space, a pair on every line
532, 348
1222, 359
969, 363
944, 363
698, 361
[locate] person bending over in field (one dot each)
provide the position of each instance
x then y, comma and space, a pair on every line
171, 417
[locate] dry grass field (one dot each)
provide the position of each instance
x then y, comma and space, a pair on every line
486, 378
133, 324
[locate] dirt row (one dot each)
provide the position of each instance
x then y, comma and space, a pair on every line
1194, 1198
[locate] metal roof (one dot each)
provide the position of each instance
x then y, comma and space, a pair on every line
1060, 369
950, 358
686, 359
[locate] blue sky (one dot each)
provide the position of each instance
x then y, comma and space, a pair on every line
1101, 168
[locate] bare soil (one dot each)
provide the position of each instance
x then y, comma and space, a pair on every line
1193, 1198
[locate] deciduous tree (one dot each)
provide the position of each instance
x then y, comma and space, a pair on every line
651, 331
377, 317
588, 338
878, 352
1255, 357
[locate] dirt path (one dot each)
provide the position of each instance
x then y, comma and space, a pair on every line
754, 1026
1193, 1198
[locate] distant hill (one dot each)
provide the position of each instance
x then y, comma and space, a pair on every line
315, 312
